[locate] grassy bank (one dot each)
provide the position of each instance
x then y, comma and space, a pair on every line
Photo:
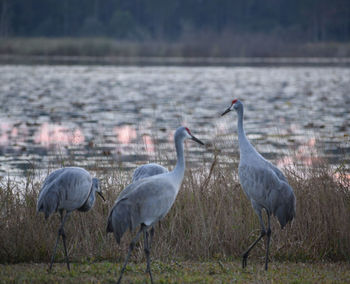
208, 51
180, 272
211, 219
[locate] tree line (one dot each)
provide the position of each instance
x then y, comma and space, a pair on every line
173, 20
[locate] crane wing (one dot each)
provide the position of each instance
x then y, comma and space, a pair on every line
145, 202
277, 171
128, 189
147, 171
66, 188
283, 204
152, 202
258, 182
74, 186
48, 199
49, 180
267, 190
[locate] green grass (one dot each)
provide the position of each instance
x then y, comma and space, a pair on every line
180, 272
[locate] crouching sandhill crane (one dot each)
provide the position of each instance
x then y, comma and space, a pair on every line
263, 183
148, 170
67, 189
147, 201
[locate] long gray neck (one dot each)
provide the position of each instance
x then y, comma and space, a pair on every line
244, 144
89, 202
179, 170
92, 197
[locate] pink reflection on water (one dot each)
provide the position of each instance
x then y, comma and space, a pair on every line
14, 132
305, 154
78, 137
4, 138
54, 134
311, 142
149, 144
125, 134
11, 134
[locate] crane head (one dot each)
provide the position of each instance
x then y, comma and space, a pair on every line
189, 132
192, 137
96, 186
230, 108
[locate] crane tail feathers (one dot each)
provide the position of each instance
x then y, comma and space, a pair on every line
48, 204
119, 221
286, 213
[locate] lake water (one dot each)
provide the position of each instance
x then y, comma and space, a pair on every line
94, 116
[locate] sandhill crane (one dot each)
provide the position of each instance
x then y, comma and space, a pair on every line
263, 183
147, 201
68, 189
148, 170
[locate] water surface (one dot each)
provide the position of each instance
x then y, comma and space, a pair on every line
95, 116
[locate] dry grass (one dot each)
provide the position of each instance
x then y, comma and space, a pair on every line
211, 219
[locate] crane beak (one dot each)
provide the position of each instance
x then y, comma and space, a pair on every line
197, 140
226, 111
100, 194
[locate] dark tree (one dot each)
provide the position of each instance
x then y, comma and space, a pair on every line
303, 20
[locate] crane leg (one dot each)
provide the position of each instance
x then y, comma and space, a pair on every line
262, 234
151, 237
54, 250
246, 253
150, 245
60, 233
268, 233
147, 251
145, 238
64, 241
131, 247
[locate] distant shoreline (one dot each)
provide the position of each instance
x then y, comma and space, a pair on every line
108, 51
174, 61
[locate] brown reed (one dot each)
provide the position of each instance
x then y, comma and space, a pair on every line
211, 219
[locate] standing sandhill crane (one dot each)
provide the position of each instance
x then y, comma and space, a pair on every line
67, 189
148, 170
147, 201
264, 184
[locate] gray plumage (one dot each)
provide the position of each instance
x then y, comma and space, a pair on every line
143, 202
265, 185
148, 170
67, 189
148, 200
